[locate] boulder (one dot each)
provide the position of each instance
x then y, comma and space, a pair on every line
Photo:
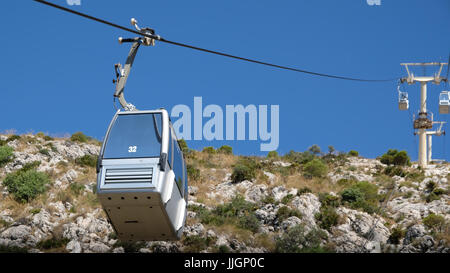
73, 247
290, 222
308, 204
413, 232
256, 193
20, 233
279, 193
194, 230
43, 221
98, 247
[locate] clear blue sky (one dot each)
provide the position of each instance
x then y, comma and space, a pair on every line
57, 68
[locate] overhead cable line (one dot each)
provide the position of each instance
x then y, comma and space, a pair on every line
159, 38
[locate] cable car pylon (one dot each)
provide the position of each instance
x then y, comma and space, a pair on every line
424, 120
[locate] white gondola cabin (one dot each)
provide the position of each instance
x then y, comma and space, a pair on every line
142, 178
444, 102
403, 101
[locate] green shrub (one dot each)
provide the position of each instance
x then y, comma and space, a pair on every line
6, 155
396, 235
30, 166
79, 137
435, 194
52, 243
295, 241
408, 194
315, 168
245, 169
12, 249
329, 200
52, 147
272, 154
249, 221
388, 158
432, 197
223, 249
209, 217
435, 222
209, 150
234, 208
130, 247
35, 210
183, 146
225, 149
417, 176
76, 188
44, 152
439, 191
268, 199
12, 138
48, 138
353, 153
193, 173
285, 212
352, 195
363, 195
343, 182
431, 186
327, 217
331, 149
238, 212
87, 160
394, 157
394, 170
195, 244
25, 185
241, 173
303, 191
401, 159
315, 149
299, 157
40, 134
288, 198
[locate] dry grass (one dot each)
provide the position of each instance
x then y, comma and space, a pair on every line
87, 176
234, 232
444, 236
222, 161
211, 174
266, 241
316, 185
87, 201
191, 221
17, 209
21, 210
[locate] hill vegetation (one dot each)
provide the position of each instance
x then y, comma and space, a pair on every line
310, 201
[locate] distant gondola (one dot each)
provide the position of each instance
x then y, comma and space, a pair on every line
444, 102
403, 101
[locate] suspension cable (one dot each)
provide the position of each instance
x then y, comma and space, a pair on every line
159, 38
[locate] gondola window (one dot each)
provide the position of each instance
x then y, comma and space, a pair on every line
134, 136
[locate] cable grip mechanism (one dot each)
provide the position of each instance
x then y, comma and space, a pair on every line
122, 73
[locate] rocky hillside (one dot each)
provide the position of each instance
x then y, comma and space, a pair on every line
300, 202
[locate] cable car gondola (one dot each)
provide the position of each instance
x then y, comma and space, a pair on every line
444, 102
403, 101
142, 180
